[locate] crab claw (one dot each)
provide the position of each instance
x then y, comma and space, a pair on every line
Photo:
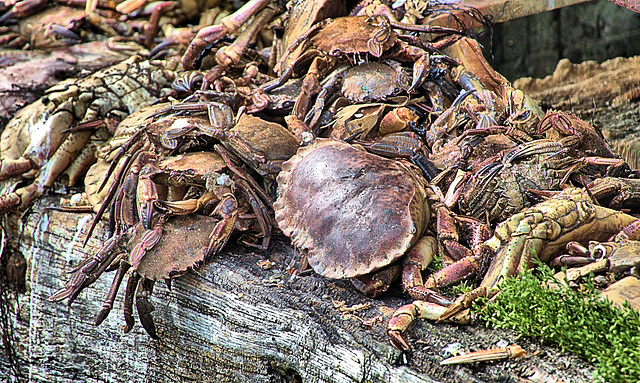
405, 315
205, 38
22, 9
420, 71
209, 35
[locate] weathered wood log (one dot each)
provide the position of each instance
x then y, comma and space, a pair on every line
231, 321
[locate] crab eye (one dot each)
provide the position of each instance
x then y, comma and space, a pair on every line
524, 115
599, 251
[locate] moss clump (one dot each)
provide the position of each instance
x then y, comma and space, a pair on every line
577, 321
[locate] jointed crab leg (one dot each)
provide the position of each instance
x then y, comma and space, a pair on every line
113, 291
543, 231
416, 260
88, 271
259, 209
209, 35
129, 295
513, 351
144, 307
405, 315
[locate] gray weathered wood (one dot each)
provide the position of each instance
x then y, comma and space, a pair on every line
223, 321
230, 321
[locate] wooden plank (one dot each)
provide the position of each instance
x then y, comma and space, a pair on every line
501, 10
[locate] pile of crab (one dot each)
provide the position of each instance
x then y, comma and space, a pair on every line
375, 142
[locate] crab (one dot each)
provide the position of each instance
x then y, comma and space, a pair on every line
500, 176
194, 185
580, 137
208, 36
539, 232
262, 145
181, 247
55, 133
355, 214
507, 182
616, 192
50, 29
331, 43
163, 165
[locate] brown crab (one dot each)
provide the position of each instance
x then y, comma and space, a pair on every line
540, 232
354, 213
617, 192
573, 150
331, 43
144, 208
148, 187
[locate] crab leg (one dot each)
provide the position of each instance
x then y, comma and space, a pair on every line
147, 194
144, 307
509, 352
227, 156
227, 209
113, 291
405, 315
416, 260
209, 35
127, 310
302, 38
227, 56
373, 285
88, 271
259, 209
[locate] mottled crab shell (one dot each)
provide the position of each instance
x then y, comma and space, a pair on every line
353, 212
370, 81
181, 247
349, 35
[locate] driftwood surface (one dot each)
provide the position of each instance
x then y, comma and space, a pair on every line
232, 321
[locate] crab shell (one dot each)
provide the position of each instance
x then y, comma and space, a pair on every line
353, 212
181, 247
370, 81
349, 35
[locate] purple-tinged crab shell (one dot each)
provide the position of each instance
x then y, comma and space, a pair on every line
353, 212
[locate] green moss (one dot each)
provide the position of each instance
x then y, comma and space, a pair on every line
577, 321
